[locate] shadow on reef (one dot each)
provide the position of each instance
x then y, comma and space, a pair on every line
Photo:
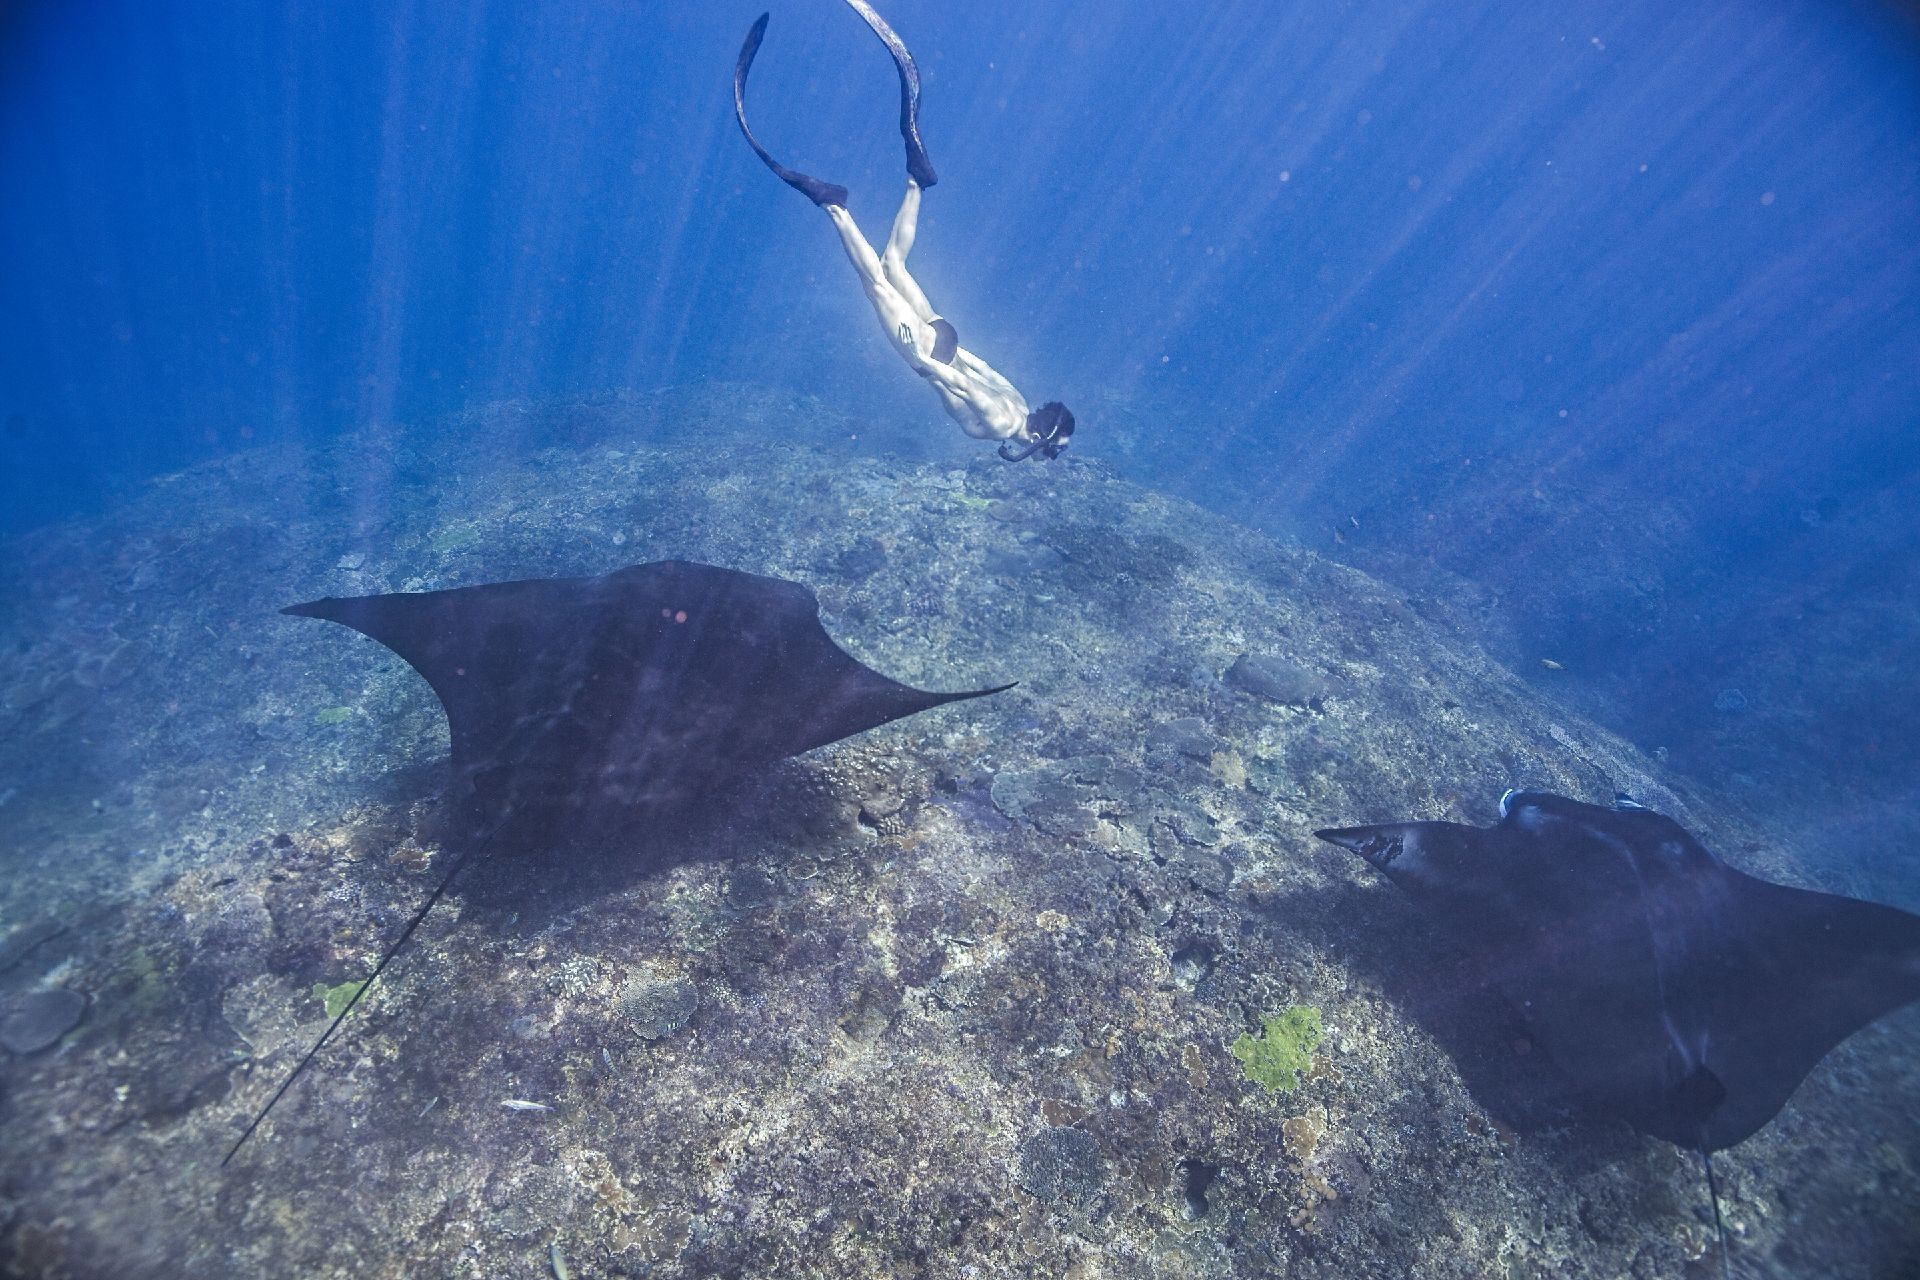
532, 874
1386, 943
535, 873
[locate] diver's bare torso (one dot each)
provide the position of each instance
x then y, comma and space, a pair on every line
975, 395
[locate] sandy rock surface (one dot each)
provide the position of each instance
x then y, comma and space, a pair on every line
953, 999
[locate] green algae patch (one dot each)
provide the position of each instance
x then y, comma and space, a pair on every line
1276, 1057
454, 537
333, 715
336, 998
150, 991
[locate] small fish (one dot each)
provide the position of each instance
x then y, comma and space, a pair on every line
521, 1104
559, 1263
1354, 521
430, 1106
1551, 665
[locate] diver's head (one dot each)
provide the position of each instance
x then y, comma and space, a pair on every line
1050, 424
1047, 430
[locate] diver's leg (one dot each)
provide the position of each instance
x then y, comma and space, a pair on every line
897, 314
905, 224
821, 193
859, 252
917, 163
899, 244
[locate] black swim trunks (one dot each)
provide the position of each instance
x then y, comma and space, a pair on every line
946, 340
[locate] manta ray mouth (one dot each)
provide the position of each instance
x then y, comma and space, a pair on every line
1381, 850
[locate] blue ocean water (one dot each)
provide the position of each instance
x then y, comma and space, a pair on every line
1607, 308
1592, 326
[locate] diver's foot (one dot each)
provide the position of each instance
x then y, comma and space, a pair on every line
821, 193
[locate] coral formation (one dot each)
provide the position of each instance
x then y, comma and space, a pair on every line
37, 1020
656, 1008
1062, 1165
1276, 679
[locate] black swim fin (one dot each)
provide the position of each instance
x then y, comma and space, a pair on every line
821, 193
919, 168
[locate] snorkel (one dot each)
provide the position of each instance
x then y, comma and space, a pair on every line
1047, 430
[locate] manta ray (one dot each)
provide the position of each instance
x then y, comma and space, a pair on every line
641, 692
1685, 997
1676, 993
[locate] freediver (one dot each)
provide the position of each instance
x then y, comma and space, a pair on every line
975, 395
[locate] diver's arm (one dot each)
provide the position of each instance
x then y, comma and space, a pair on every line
952, 384
955, 406
986, 405
991, 378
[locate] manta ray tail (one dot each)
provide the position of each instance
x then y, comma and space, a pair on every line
821, 193
918, 166
459, 864
1713, 1194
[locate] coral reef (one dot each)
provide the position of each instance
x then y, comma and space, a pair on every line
952, 1000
